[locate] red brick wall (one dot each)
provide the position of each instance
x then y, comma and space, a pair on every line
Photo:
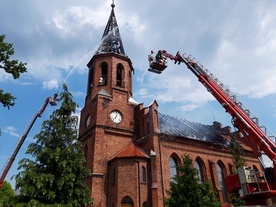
166, 146
127, 173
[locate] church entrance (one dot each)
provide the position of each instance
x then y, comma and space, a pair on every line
127, 202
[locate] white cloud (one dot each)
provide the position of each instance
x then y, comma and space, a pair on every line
77, 16
78, 94
143, 92
51, 84
10, 128
190, 106
11, 131
232, 42
5, 76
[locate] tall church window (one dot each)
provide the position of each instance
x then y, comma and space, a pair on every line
90, 79
173, 170
220, 173
199, 171
143, 174
104, 72
144, 204
119, 75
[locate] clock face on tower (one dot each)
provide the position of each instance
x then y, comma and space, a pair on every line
116, 116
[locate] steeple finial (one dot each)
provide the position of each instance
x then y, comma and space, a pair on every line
113, 4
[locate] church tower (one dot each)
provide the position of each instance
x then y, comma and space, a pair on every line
107, 120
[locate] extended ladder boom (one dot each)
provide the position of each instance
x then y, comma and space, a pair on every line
53, 101
243, 119
252, 185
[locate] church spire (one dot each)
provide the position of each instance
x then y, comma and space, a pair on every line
111, 39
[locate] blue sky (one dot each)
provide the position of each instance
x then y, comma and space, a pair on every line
235, 40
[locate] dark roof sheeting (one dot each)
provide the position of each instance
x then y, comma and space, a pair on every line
111, 39
182, 128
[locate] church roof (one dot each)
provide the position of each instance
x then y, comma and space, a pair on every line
132, 151
180, 127
111, 39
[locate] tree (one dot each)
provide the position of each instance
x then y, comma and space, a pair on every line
56, 174
14, 67
6, 194
239, 161
237, 153
186, 191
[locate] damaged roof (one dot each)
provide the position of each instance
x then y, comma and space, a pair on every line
180, 127
111, 39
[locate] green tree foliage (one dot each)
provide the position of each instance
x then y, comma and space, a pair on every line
55, 174
186, 191
237, 153
6, 194
239, 161
14, 67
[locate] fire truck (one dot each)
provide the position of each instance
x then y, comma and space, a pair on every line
255, 187
53, 101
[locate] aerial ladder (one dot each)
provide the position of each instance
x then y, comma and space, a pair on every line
53, 101
254, 187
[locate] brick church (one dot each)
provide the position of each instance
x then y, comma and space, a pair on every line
132, 149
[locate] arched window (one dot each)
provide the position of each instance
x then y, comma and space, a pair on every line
199, 170
119, 75
144, 204
220, 174
173, 170
127, 202
143, 174
104, 70
90, 79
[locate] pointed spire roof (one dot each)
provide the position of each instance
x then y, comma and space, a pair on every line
111, 39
